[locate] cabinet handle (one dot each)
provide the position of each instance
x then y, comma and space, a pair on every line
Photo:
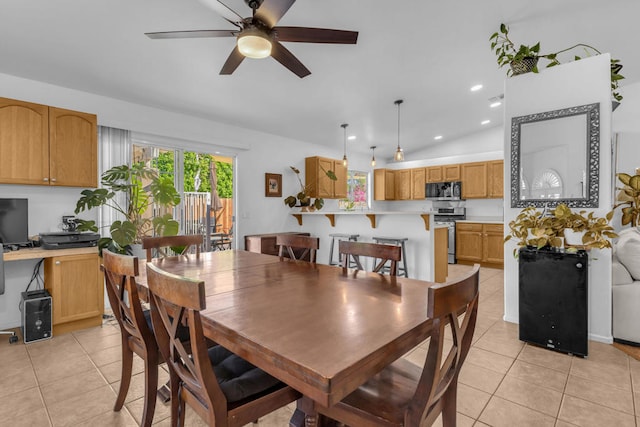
579, 265
53, 180
57, 262
45, 179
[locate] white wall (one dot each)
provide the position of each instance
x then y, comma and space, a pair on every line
576, 83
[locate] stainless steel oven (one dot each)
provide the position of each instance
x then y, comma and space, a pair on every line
448, 217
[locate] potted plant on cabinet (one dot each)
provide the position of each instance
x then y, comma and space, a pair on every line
302, 196
524, 58
537, 229
131, 191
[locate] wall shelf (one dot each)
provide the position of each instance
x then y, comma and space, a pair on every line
372, 216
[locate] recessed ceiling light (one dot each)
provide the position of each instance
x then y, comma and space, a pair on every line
437, 137
485, 122
476, 88
495, 104
351, 137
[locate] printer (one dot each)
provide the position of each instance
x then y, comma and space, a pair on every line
68, 239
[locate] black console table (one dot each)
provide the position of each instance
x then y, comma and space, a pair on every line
553, 298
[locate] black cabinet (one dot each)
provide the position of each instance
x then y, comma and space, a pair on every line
553, 298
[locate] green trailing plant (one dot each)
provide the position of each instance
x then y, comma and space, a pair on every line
140, 188
535, 228
629, 198
302, 196
508, 53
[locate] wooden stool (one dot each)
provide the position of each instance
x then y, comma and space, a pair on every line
337, 237
398, 241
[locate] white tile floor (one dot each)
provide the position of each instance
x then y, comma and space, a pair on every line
71, 380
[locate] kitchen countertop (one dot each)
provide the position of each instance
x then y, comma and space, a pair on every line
484, 219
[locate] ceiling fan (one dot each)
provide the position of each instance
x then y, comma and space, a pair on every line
258, 36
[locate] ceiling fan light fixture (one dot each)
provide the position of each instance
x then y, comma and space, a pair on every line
254, 43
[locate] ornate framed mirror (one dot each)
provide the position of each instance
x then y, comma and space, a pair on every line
559, 153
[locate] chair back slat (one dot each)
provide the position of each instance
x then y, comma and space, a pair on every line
379, 251
289, 242
182, 244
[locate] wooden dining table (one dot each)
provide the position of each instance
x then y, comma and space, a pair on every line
318, 329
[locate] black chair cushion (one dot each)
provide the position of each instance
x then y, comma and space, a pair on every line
238, 378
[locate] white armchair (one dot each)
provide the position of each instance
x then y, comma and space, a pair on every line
626, 287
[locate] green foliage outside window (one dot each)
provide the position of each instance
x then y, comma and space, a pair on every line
193, 163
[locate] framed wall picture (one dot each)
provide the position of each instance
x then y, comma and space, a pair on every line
272, 185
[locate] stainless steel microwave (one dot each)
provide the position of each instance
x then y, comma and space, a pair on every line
451, 190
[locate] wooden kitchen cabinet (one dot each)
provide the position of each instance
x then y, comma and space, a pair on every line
77, 291
480, 242
418, 181
434, 174
384, 187
403, 184
317, 181
42, 145
451, 173
495, 179
474, 180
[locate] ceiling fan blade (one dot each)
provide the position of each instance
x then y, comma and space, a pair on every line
223, 10
315, 35
232, 62
286, 58
191, 34
270, 11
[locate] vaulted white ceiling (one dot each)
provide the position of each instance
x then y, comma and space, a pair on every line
428, 53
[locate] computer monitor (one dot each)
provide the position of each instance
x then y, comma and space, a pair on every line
14, 221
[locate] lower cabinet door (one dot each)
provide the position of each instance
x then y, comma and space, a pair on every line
76, 287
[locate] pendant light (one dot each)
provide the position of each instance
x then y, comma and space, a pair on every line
399, 156
373, 155
344, 159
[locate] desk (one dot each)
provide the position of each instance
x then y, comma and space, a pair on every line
321, 332
73, 278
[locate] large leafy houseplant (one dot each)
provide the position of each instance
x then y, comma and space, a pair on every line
524, 58
131, 191
302, 196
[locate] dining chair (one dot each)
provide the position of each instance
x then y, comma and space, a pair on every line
221, 387
222, 241
403, 394
289, 242
177, 244
135, 328
354, 250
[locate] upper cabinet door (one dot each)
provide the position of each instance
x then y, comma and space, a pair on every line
451, 172
495, 174
434, 174
24, 142
417, 183
474, 180
73, 141
340, 185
